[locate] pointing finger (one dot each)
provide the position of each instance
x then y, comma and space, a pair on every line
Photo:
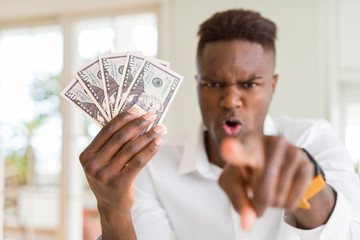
237, 192
248, 153
248, 217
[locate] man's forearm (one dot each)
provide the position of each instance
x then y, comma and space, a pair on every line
117, 227
322, 205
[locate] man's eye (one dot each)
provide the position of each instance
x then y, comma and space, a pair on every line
211, 84
214, 84
248, 85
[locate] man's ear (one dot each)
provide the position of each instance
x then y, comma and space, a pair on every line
274, 82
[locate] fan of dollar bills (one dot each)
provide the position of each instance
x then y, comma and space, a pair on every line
114, 82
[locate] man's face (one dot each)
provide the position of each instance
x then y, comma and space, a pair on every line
235, 87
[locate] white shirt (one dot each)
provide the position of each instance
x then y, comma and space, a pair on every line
177, 193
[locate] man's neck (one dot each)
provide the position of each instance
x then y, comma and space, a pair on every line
212, 151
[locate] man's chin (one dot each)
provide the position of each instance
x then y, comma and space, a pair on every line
220, 137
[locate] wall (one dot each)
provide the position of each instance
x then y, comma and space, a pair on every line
15, 10
301, 46
301, 55
2, 192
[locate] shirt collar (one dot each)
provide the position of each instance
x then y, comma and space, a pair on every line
194, 156
194, 149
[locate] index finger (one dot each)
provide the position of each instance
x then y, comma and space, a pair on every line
248, 153
109, 129
138, 162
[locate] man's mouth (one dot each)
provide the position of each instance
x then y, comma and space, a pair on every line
231, 127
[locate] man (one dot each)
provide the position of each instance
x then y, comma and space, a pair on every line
238, 165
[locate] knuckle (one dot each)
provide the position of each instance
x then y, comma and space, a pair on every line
294, 154
103, 175
124, 115
120, 136
138, 122
130, 147
109, 129
90, 169
118, 183
279, 201
82, 157
153, 149
307, 167
271, 172
139, 161
150, 135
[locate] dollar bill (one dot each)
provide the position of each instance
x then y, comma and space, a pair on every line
112, 68
78, 96
132, 64
153, 90
90, 78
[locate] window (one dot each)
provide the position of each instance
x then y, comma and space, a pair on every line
36, 132
94, 36
345, 63
30, 63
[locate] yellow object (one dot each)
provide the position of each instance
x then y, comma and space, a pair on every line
317, 184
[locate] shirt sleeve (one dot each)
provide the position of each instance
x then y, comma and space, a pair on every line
330, 153
339, 226
150, 219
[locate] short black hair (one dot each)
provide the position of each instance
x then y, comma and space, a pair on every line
238, 24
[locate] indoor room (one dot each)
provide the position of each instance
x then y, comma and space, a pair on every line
44, 192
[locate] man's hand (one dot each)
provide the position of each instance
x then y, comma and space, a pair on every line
265, 171
112, 161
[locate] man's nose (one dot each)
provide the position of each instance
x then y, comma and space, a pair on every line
231, 97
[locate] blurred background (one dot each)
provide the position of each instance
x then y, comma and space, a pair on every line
43, 190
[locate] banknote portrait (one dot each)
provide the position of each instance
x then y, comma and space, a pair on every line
150, 103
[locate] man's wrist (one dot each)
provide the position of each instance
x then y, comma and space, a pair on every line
316, 185
116, 225
318, 169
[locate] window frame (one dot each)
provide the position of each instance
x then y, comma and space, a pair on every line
341, 79
71, 179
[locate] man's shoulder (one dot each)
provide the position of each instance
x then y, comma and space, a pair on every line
299, 130
285, 123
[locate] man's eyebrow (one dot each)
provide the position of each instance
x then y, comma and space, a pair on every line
207, 79
243, 81
252, 78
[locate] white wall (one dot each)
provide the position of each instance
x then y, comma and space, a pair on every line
302, 47
11, 10
301, 55
2, 191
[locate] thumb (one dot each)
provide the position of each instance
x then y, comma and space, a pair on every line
247, 153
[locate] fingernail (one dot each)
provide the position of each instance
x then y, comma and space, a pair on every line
158, 141
158, 129
148, 116
133, 110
